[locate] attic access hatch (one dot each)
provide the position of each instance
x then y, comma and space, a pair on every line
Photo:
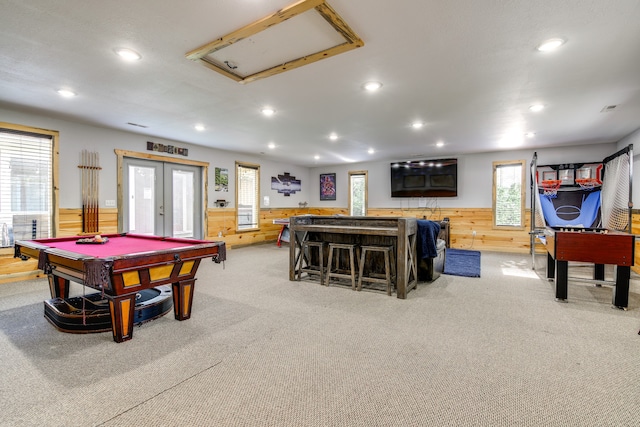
277, 43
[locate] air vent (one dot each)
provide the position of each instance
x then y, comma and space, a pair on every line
137, 125
608, 108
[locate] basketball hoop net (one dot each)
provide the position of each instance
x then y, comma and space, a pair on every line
550, 187
587, 184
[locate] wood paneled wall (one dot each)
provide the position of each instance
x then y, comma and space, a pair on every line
70, 224
221, 225
71, 221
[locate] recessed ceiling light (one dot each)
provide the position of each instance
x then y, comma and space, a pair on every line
417, 125
333, 136
272, 145
316, 157
439, 144
372, 86
268, 111
127, 54
536, 107
371, 151
551, 44
66, 93
199, 127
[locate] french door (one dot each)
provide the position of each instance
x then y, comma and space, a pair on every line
162, 199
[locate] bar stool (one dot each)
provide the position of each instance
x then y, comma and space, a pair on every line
388, 266
307, 256
348, 273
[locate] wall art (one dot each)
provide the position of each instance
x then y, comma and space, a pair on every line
327, 186
285, 184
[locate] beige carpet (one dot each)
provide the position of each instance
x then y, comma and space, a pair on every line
261, 350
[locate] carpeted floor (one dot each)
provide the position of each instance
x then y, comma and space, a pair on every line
261, 350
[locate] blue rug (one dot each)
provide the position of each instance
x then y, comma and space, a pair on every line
460, 262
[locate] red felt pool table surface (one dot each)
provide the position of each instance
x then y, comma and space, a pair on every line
118, 245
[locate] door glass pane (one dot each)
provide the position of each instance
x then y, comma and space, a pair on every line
357, 188
142, 199
247, 190
183, 196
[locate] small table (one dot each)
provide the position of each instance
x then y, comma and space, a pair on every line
284, 234
121, 267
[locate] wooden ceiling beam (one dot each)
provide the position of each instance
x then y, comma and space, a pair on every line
321, 7
253, 28
299, 62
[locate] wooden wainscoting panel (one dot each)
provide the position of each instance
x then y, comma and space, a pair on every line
71, 221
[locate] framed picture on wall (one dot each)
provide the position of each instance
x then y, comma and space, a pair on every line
327, 186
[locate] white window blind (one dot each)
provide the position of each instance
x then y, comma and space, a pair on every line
247, 196
25, 186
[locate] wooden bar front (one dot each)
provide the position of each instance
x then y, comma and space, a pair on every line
400, 233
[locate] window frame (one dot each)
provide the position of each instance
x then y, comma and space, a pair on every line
55, 181
523, 182
256, 167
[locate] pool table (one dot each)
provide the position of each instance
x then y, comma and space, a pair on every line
122, 265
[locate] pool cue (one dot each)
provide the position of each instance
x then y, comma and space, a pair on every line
88, 205
91, 192
83, 168
96, 203
92, 202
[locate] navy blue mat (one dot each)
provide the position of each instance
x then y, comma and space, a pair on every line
461, 262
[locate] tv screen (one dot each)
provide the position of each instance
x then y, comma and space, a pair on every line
425, 178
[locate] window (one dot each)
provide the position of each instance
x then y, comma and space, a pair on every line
508, 193
26, 183
247, 196
358, 193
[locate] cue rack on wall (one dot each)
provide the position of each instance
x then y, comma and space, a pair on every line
90, 168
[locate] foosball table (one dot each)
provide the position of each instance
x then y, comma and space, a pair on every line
591, 245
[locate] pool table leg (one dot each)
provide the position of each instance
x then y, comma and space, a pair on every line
183, 298
122, 312
58, 286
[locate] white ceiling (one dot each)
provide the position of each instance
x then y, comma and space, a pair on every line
468, 69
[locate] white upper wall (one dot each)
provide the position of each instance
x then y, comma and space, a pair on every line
75, 137
475, 177
475, 172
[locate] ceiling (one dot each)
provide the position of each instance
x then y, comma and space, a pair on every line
468, 70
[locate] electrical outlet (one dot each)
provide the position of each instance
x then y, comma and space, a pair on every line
473, 233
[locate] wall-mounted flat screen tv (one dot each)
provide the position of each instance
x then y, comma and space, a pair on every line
425, 178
